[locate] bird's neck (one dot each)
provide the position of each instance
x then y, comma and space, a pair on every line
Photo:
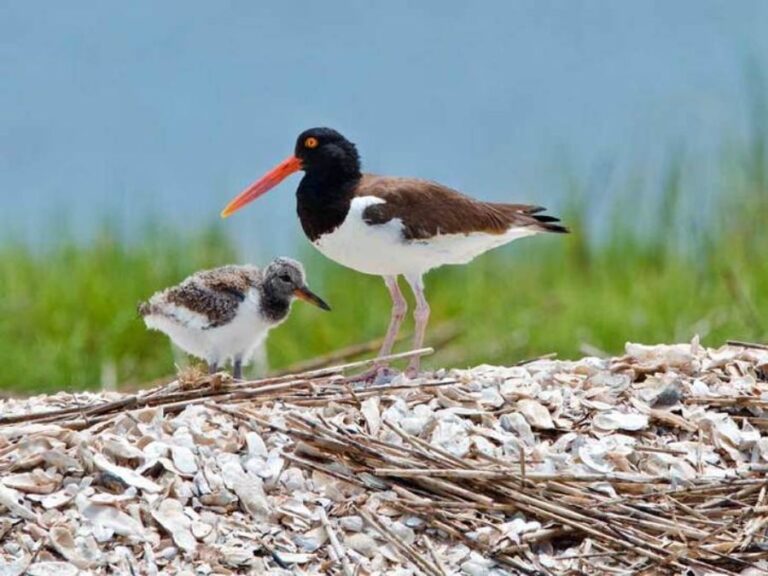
273, 307
323, 200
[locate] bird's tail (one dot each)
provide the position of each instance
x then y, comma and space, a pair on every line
144, 308
531, 216
548, 223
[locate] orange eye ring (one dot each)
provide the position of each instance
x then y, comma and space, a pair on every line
310, 142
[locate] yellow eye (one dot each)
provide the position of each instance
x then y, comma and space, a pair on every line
310, 142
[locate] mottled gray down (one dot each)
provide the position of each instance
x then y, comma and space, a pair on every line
215, 293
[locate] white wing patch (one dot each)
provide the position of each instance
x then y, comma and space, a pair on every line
184, 316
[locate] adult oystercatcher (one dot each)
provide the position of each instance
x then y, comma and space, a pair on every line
225, 313
391, 226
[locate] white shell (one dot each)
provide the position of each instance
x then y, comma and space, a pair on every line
352, 523
108, 519
535, 413
16, 567
517, 424
125, 474
615, 420
52, 569
248, 489
370, 411
36, 482
82, 552
184, 459
170, 515
362, 543
10, 499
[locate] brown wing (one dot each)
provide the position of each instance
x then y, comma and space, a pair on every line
219, 307
427, 209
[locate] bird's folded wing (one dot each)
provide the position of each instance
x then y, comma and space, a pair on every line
233, 280
198, 306
427, 209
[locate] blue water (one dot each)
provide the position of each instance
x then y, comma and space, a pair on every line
167, 109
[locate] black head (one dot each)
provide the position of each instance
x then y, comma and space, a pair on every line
323, 150
284, 280
329, 160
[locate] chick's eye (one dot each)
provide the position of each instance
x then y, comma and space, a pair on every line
285, 278
310, 142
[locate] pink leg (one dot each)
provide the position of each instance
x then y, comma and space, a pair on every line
421, 317
399, 308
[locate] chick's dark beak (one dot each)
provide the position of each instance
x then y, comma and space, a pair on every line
304, 293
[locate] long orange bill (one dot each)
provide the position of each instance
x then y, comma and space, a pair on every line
266, 183
304, 293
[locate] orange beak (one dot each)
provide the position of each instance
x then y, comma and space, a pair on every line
264, 184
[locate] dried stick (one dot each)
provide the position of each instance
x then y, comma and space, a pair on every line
433, 554
406, 550
340, 552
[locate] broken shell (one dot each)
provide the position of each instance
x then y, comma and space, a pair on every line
236, 555
126, 475
517, 424
361, 543
35, 482
311, 540
535, 413
52, 569
15, 567
451, 435
477, 566
248, 489
60, 498
351, 523
170, 515
108, 519
200, 530
9, 498
615, 420
184, 460
593, 456
256, 446
370, 411
83, 552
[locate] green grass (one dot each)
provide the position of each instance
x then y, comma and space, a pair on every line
68, 312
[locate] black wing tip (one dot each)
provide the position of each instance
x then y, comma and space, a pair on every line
556, 228
549, 224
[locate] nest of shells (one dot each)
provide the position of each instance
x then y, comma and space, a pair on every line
650, 463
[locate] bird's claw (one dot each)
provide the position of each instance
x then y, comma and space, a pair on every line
412, 371
376, 374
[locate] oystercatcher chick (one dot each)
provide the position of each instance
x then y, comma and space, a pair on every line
389, 226
225, 313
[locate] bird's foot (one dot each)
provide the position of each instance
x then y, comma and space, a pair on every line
376, 374
237, 370
414, 370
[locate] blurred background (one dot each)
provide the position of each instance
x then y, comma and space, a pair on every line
126, 127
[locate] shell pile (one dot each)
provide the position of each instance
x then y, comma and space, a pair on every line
650, 463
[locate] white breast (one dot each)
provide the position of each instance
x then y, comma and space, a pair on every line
381, 249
